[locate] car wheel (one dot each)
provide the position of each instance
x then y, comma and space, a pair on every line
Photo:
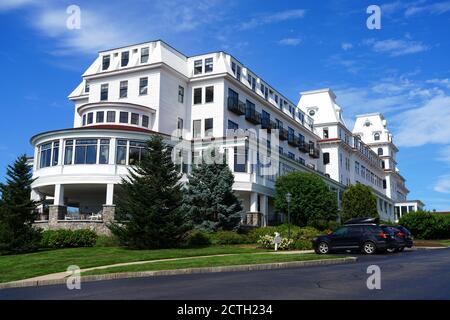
369, 247
401, 249
323, 248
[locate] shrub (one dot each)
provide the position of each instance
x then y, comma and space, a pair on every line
197, 239
424, 225
300, 244
68, 238
107, 241
266, 241
228, 237
297, 233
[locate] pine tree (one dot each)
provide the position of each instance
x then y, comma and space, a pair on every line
17, 210
209, 200
359, 201
149, 200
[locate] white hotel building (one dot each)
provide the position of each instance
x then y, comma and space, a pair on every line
129, 93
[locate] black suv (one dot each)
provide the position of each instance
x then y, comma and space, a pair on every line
362, 234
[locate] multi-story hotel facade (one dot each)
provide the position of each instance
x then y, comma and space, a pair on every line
199, 102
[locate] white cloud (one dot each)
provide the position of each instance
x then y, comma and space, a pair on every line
443, 184
426, 124
444, 154
433, 9
346, 46
441, 82
15, 4
290, 41
395, 47
273, 18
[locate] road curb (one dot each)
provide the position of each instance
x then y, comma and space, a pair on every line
142, 274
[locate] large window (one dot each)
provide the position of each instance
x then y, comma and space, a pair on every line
137, 150
100, 117
125, 58
198, 66
144, 54
123, 117
180, 126
103, 157
111, 116
145, 121
106, 61
208, 127
49, 154
232, 125
240, 159
376, 136
180, 94
197, 128
68, 152
209, 94
90, 117
104, 92
208, 65
86, 151
197, 95
143, 86
326, 158
123, 89
135, 118
121, 152
380, 151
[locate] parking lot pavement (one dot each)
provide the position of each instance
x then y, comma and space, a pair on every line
418, 274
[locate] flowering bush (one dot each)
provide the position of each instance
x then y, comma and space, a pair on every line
266, 241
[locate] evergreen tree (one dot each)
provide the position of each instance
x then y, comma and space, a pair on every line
209, 201
149, 200
312, 201
17, 210
359, 201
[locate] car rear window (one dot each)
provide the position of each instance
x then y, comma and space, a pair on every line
373, 229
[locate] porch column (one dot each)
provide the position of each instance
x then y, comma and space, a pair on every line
253, 202
59, 195
264, 210
253, 216
109, 209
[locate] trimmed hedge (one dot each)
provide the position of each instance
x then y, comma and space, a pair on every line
197, 238
425, 225
228, 237
68, 238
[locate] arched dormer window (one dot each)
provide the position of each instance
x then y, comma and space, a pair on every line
380, 151
376, 136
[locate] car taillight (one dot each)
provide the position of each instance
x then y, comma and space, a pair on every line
383, 235
401, 234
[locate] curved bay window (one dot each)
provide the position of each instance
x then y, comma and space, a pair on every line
86, 151
49, 154
137, 150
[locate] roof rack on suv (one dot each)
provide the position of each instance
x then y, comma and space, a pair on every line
366, 220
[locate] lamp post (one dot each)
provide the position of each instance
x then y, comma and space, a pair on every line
288, 199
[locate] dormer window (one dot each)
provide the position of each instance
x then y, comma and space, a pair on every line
106, 61
125, 58
144, 54
86, 87
198, 66
208, 65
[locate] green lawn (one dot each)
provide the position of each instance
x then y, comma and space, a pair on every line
212, 262
445, 242
23, 266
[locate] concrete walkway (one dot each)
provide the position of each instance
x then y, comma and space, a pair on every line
64, 274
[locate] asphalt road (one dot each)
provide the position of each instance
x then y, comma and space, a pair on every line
421, 274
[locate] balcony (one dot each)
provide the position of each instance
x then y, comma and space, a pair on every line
236, 106
314, 152
268, 124
293, 141
303, 147
253, 116
283, 133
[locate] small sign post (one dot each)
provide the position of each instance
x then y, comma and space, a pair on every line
277, 240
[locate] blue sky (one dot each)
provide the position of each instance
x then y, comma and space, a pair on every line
401, 70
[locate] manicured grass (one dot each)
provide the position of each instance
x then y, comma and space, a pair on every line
445, 242
240, 259
23, 266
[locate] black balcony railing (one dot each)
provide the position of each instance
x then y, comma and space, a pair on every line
253, 116
303, 146
293, 141
236, 106
268, 124
283, 133
314, 152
